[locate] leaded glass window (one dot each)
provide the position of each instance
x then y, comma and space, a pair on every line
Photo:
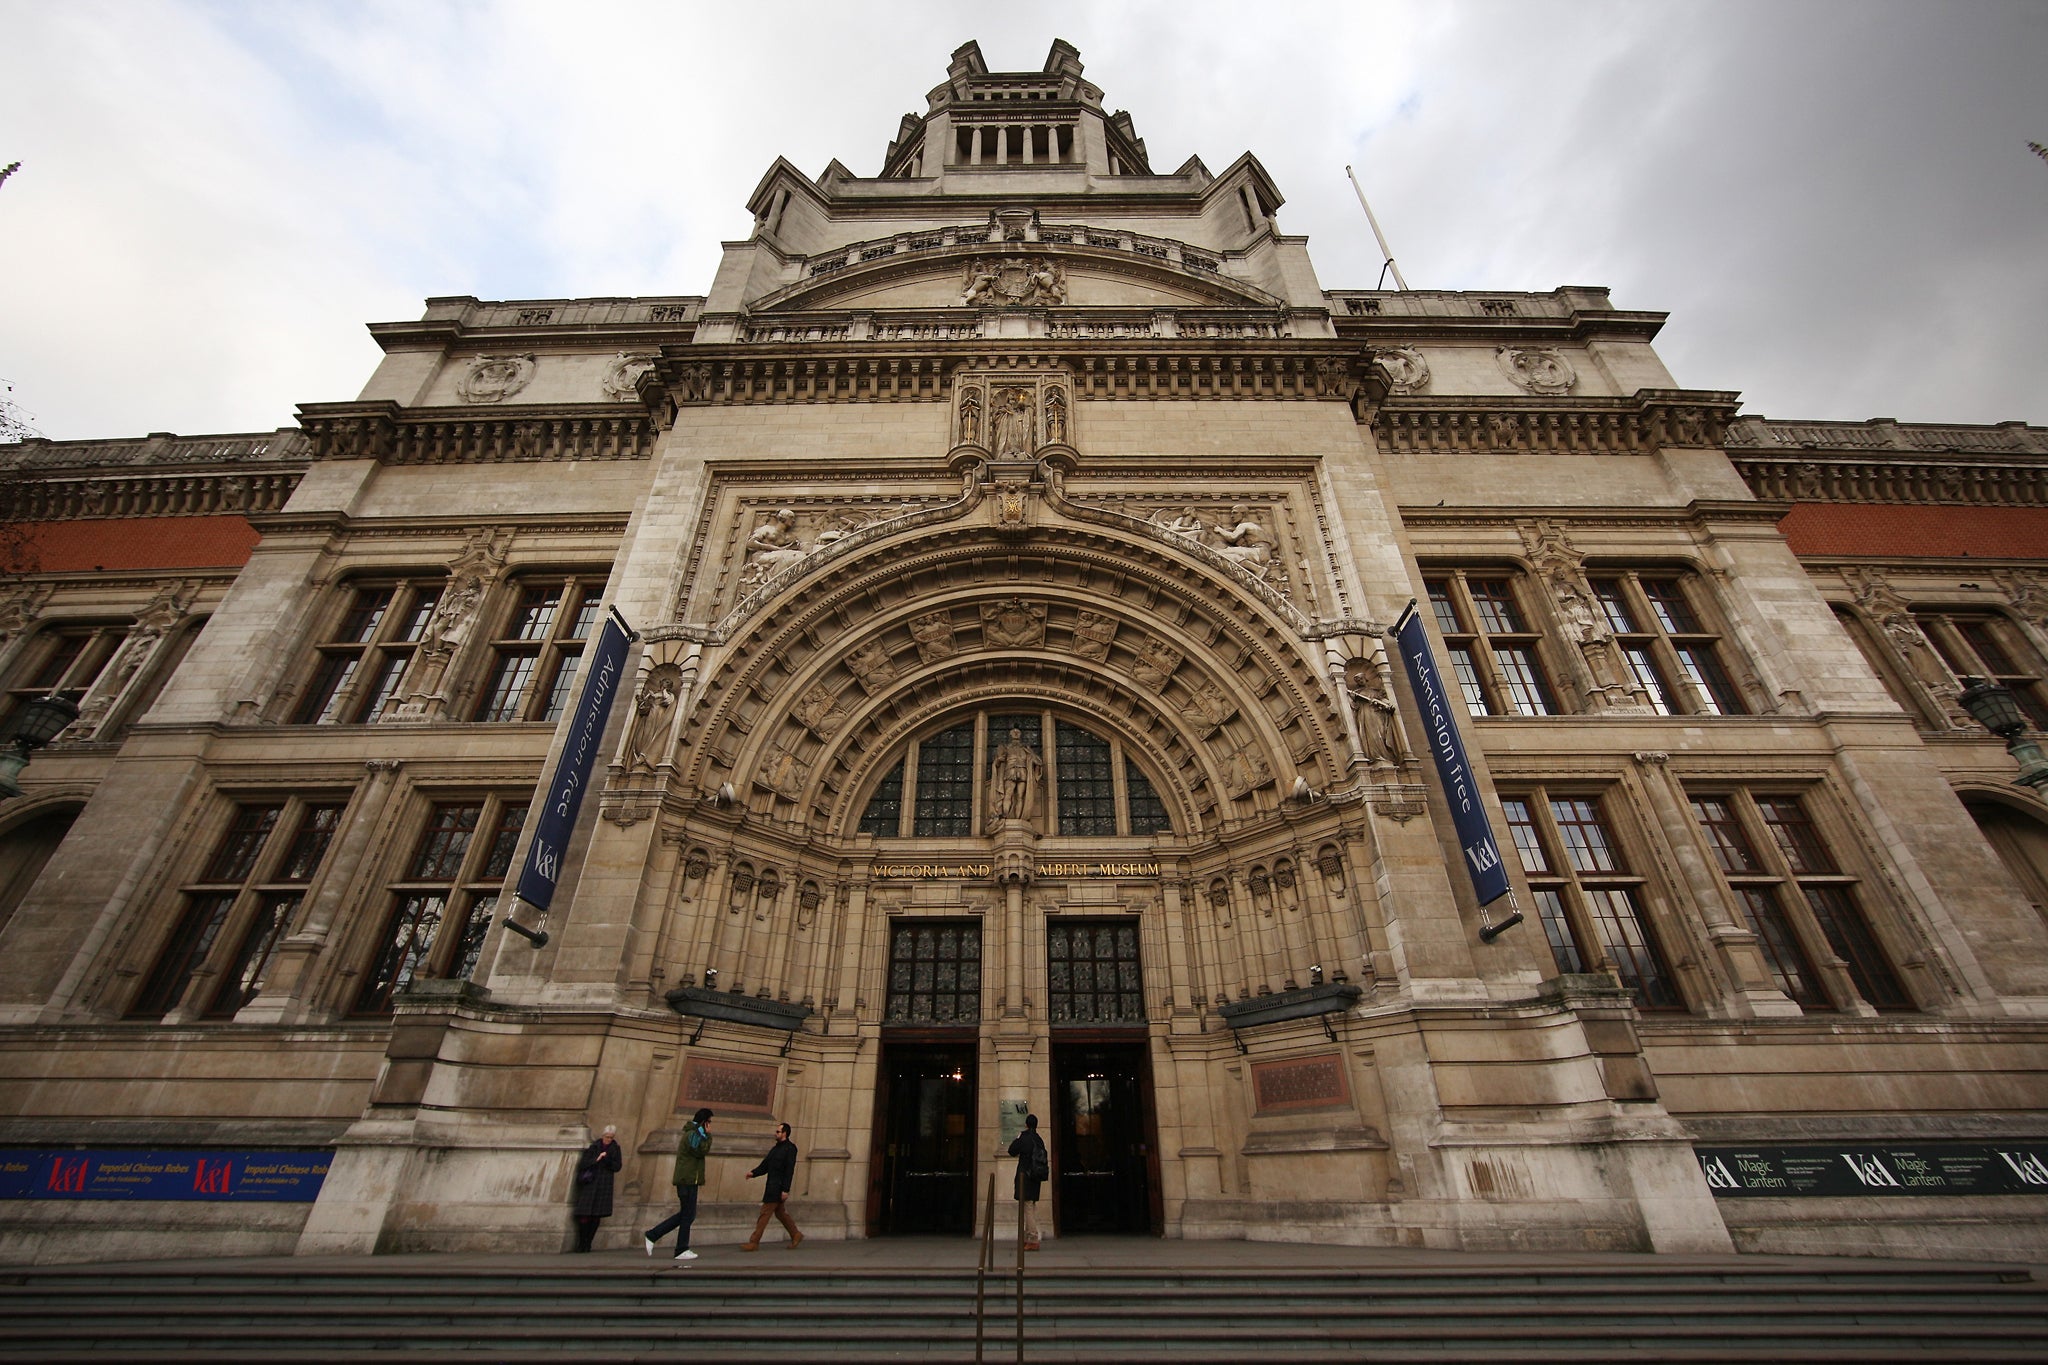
1093, 973
451, 882
883, 816
1087, 783
1493, 653
945, 783
934, 972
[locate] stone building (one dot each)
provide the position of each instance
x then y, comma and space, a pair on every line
1012, 539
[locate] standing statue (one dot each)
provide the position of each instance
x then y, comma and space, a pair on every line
647, 748
1013, 777
1011, 425
970, 417
1056, 417
1379, 725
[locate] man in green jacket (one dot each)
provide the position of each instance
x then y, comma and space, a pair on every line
691, 1150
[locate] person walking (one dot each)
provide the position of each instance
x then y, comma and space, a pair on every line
594, 1169
691, 1149
780, 1168
1034, 1168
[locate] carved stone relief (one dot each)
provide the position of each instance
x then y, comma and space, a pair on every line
1876, 596
647, 744
494, 378
1014, 282
1245, 771
1537, 369
21, 605
1209, 706
871, 667
1153, 663
782, 773
622, 377
933, 635
1012, 624
1407, 369
818, 710
1093, 633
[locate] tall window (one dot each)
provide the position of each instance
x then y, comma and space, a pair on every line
358, 670
536, 655
1983, 645
1661, 635
1092, 972
442, 906
65, 661
1088, 785
1587, 899
1758, 896
934, 972
247, 895
1493, 653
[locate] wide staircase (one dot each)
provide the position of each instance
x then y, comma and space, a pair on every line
1222, 1302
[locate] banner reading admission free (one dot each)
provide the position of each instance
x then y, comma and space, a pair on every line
1475, 835
571, 778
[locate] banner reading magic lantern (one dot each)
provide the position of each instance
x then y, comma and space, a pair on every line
563, 795
1475, 835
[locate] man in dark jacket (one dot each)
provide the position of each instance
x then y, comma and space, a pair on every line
1034, 1168
780, 1168
691, 1149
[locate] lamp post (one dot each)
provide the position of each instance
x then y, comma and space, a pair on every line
35, 725
1997, 710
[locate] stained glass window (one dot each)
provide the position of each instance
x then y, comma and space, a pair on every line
1092, 972
934, 972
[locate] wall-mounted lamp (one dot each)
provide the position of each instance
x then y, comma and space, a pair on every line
1315, 976
35, 725
1997, 710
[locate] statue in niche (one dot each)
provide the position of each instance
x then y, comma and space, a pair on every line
647, 745
772, 547
1056, 416
1014, 773
1379, 723
1578, 615
970, 417
1011, 425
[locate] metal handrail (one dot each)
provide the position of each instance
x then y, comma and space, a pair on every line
986, 1266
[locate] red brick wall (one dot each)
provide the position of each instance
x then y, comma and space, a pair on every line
136, 543
1883, 529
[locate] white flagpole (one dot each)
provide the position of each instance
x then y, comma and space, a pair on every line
1377, 235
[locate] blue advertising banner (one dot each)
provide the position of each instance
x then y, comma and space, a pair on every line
564, 792
273, 1176
1475, 835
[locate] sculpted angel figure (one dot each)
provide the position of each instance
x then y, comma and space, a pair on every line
1013, 778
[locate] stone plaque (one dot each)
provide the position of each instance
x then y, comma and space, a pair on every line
726, 1087
1303, 1083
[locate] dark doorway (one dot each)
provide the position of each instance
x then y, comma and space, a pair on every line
1102, 1158
925, 1183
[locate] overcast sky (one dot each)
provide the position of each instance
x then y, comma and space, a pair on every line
1834, 201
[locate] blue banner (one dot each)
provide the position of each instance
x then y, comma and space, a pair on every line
239, 1176
571, 778
1475, 835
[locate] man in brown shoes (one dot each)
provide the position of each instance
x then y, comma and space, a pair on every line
780, 1168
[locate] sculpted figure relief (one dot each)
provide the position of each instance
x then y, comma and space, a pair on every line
933, 634
1154, 663
970, 417
1209, 707
1246, 771
818, 710
772, 547
1245, 542
1012, 624
870, 666
1013, 776
1093, 632
647, 747
1011, 435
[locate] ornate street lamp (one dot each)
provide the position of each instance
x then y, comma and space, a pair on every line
35, 725
1997, 710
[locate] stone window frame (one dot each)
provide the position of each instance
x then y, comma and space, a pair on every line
1687, 671
1825, 903
1982, 642
239, 903
1474, 649
357, 670
1565, 893
464, 883
555, 645
45, 669
899, 1006
897, 782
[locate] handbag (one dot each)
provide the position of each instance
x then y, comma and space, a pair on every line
587, 1176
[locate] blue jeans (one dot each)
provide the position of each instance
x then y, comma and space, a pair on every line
679, 1221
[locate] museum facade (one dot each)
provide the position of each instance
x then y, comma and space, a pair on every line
1012, 544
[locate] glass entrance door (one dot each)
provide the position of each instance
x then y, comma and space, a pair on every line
927, 1167
1101, 1158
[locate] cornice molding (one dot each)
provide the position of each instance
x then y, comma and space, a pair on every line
208, 493
1465, 424
498, 434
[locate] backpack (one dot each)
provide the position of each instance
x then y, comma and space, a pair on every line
1041, 1162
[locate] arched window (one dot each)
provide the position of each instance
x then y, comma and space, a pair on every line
1080, 784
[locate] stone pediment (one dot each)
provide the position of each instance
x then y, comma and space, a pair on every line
1093, 269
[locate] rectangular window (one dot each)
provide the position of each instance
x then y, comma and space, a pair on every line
537, 651
1672, 657
1995, 649
1794, 897
945, 783
1493, 654
1586, 897
934, 972
65, 661
246, 894
1087, 786
443, 906
359, 673
1092, 972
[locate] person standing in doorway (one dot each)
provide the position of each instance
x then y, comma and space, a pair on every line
1034, 1168
691, 1149
593, 1202
779, 1166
